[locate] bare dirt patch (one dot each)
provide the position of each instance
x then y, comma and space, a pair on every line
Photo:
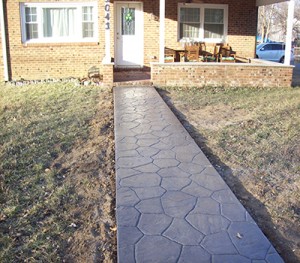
90, 171
252, 138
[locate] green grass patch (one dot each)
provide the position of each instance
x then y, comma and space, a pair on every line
38, 124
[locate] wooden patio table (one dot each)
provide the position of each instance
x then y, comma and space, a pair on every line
181, 54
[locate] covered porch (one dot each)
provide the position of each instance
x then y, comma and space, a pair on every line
239, 29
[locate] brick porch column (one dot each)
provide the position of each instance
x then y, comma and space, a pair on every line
108, 74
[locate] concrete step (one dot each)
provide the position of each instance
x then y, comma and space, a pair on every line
134, 83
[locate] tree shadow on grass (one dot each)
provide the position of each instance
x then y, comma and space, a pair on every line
253, 205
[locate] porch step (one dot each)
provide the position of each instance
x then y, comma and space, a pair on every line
142, 83
131, 78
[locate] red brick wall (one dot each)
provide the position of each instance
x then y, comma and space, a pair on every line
242, 24
40, 61
213, 74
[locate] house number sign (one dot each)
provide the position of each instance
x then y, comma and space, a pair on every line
107, 14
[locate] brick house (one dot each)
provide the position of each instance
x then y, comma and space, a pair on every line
43, 39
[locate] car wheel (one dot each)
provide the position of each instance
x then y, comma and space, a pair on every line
281, 60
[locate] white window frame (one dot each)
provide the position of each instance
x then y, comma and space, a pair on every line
78, 22
202, 8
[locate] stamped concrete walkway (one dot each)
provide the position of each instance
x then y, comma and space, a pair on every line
172, 205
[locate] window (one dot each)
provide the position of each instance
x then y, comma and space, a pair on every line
278, 47
42, 22
87, 22
31, 23
59, 22
189, 22
128, 21
273, 47
267, 47
202, 22
213, 23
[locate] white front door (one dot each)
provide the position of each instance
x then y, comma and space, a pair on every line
129, 48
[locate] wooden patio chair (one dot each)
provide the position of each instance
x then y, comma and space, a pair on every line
170, 55
202, 48
211, 53
227, 55
192, 53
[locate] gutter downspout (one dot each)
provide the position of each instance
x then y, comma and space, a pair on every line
3, 38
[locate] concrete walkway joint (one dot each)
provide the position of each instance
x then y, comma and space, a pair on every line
172, 205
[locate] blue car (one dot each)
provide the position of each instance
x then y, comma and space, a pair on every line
271, 51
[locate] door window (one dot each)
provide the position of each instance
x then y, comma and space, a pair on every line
128, 21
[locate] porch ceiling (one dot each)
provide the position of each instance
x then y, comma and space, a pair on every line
268, 2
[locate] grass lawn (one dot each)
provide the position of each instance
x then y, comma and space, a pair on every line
56, 174
252, 136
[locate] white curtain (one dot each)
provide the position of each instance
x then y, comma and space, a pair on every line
59, 22
191, 30
190, 22
213, 31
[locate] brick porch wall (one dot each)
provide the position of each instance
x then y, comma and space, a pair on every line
225, 74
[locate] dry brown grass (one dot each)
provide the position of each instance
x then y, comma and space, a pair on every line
56, 172
252, 136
